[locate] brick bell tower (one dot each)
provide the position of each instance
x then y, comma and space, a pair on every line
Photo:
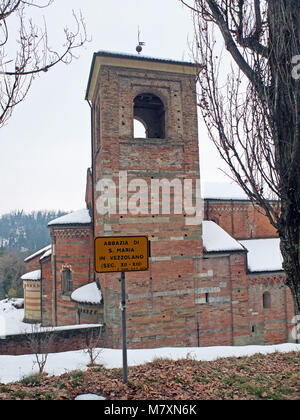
161, 302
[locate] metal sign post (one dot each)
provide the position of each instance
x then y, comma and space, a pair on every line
121, 254
124, 338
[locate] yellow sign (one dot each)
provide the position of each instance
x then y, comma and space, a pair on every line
121, 253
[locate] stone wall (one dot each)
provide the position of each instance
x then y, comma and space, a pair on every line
63, 340
270, 323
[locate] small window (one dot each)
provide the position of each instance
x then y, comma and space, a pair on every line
67, 282
267, 300
149, 109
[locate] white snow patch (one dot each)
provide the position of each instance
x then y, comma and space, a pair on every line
263, 255
41, 251
89, 293
13, 368
47, 254
77, 217
11, 318
215, 239
11, 321
89, 397
32, 275
223, 191
10, 305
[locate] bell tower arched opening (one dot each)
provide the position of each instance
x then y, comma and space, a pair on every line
149, 109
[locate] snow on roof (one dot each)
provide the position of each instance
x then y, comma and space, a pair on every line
46, 254
223, 191
32, 275
215, 239
264, 254
41, 251
143, 57
90, 293
77, 217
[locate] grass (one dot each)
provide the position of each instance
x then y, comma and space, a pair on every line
34, 379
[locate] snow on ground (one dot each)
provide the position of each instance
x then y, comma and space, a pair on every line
14, 368
11, 321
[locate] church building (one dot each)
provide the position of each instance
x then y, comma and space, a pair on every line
213, 279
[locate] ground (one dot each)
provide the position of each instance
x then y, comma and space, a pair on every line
275, 376
221, 372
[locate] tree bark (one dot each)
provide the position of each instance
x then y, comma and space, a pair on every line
257, 136
284, 103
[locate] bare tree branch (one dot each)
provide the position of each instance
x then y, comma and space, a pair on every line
254, 120
33, 54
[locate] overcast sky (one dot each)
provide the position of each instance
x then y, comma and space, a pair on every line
45, 146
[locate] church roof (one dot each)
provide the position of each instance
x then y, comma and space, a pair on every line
119, 59
37, 253
215, 239
46, 254
228, 191
223, 191
142, 57
90, 293
263, 255
80, 217
32, 275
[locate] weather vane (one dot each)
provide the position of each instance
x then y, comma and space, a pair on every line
140, 44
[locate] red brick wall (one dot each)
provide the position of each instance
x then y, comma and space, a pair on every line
239, 299
47, 292
213, 301
161, 305
74, 250
222, 312
33, 264
271, 325
239, 218
65, 340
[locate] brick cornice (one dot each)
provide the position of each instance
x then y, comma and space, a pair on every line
72, 233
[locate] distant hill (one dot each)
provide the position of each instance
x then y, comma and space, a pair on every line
22, 232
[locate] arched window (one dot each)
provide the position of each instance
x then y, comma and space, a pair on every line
67, 281
267, 300
149, 110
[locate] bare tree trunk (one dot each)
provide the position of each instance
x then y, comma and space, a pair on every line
40, 343
257, 130
284, 103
